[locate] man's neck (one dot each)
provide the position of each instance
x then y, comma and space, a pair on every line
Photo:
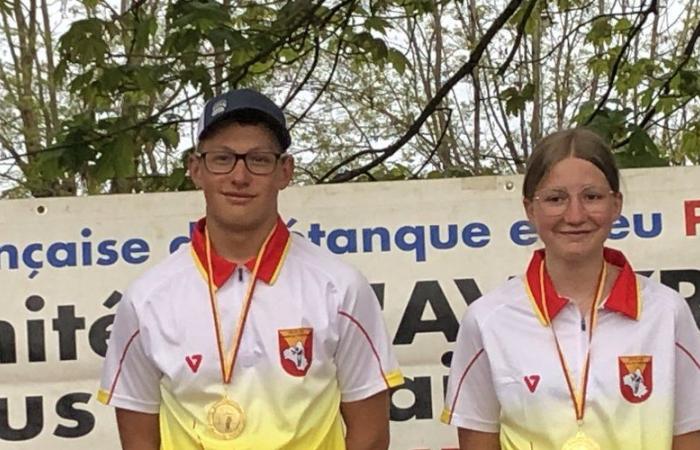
238, 245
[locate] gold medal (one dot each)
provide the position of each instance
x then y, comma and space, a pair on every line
580, 442
226, 419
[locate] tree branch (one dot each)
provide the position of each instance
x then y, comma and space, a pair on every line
666, 87
437, 145
432, 105
653, 7
518, 37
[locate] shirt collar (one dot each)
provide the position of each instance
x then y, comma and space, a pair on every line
624, 297
222, 268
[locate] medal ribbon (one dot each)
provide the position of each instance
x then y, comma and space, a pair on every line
228, 361
578, 397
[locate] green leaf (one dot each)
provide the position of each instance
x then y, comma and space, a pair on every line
641, 151
170, 136
398, 61
600, 32
83, 43
146, 80
144, 29
378, 24
623, 25
517, 99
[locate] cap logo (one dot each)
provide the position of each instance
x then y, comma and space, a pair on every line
218, 108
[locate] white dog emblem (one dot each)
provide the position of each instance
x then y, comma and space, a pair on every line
296, 355
635, 381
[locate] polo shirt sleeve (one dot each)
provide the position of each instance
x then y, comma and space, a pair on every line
470, 400
364, 359
130, 379
687, 413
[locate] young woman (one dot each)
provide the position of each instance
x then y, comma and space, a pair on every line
580, 353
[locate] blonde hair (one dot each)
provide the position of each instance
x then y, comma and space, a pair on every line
575, 142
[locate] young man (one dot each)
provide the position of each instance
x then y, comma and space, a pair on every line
251, 338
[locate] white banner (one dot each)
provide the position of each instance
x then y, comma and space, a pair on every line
428, 247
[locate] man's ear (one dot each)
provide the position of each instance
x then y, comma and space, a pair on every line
287, 169
194, 167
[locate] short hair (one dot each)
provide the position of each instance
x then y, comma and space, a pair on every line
250, 118
575, 142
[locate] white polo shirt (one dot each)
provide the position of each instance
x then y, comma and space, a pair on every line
163, 355
644, 382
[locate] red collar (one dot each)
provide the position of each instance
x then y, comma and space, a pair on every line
270, 265
624, 297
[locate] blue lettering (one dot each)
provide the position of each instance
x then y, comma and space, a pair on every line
11, 252
384, 239
177, 242
476, 235
316, 233
639, 230
451, 237
417, 244
350, 237
86, 247
28, 256
108, 255
135, 251
69, 254
621, 224
523, 233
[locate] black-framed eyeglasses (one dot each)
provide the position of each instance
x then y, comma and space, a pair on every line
221, 162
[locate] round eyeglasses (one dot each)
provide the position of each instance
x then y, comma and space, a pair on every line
554, 202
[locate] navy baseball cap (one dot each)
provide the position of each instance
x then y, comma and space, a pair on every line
246, 104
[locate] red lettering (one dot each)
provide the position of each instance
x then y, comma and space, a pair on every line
692, 217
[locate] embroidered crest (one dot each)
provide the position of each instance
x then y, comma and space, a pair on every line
218, 108
636, 380
296, 350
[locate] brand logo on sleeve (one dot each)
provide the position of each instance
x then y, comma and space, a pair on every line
296, 350
532, 381
636, 380
194, 361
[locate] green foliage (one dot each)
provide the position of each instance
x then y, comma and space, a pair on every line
690, 144
84, 42
640, 151
601, 32
516, 99
129, 86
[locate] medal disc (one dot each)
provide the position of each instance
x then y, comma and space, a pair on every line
580, 442
226, 419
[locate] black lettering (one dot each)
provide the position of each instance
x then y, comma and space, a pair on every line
378, 289
412, 323
8, 348
35, 420
422, 400
36, 340
66, 324
36, 337
469, 290
84, 420
99, 331
99, 334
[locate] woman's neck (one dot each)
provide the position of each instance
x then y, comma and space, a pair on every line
577, 280
238, 244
